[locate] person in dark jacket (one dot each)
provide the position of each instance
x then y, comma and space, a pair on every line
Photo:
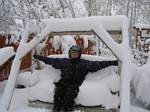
73, 73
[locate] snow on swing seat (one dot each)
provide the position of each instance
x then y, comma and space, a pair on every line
96, 89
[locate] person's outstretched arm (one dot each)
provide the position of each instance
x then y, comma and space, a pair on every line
55, 62
93, 66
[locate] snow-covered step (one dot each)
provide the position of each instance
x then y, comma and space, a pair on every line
39, 104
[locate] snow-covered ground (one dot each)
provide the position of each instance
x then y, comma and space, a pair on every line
141, 82
40, 87
20, 102
97, 85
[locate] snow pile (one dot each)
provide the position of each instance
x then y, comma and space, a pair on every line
95, 90
141, 82
24, 78
92, 92
98, 92
5, 54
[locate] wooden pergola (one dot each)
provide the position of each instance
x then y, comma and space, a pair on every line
100, 27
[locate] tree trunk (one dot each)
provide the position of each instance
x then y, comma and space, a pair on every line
71, 8
110, 7
128, 8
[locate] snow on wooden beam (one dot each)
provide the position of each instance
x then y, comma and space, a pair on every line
82, 32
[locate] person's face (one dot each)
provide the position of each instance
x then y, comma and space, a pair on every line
74, 54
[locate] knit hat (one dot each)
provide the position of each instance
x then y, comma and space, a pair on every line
75, 48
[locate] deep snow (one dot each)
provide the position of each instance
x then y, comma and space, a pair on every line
97, 86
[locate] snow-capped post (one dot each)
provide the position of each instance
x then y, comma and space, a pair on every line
123, 53
126, 69
9, 89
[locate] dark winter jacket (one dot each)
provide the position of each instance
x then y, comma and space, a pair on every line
73, 72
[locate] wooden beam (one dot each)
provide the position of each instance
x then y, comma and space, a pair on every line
81, 33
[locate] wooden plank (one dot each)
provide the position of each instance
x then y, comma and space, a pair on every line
40, 104
81, 33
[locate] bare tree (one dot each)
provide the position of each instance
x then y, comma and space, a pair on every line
109, 7
128, 7
6, 16
90, 6
70, 7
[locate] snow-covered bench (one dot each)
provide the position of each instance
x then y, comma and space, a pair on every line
96, 90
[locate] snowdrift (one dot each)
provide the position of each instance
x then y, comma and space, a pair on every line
96, 89
141, 83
